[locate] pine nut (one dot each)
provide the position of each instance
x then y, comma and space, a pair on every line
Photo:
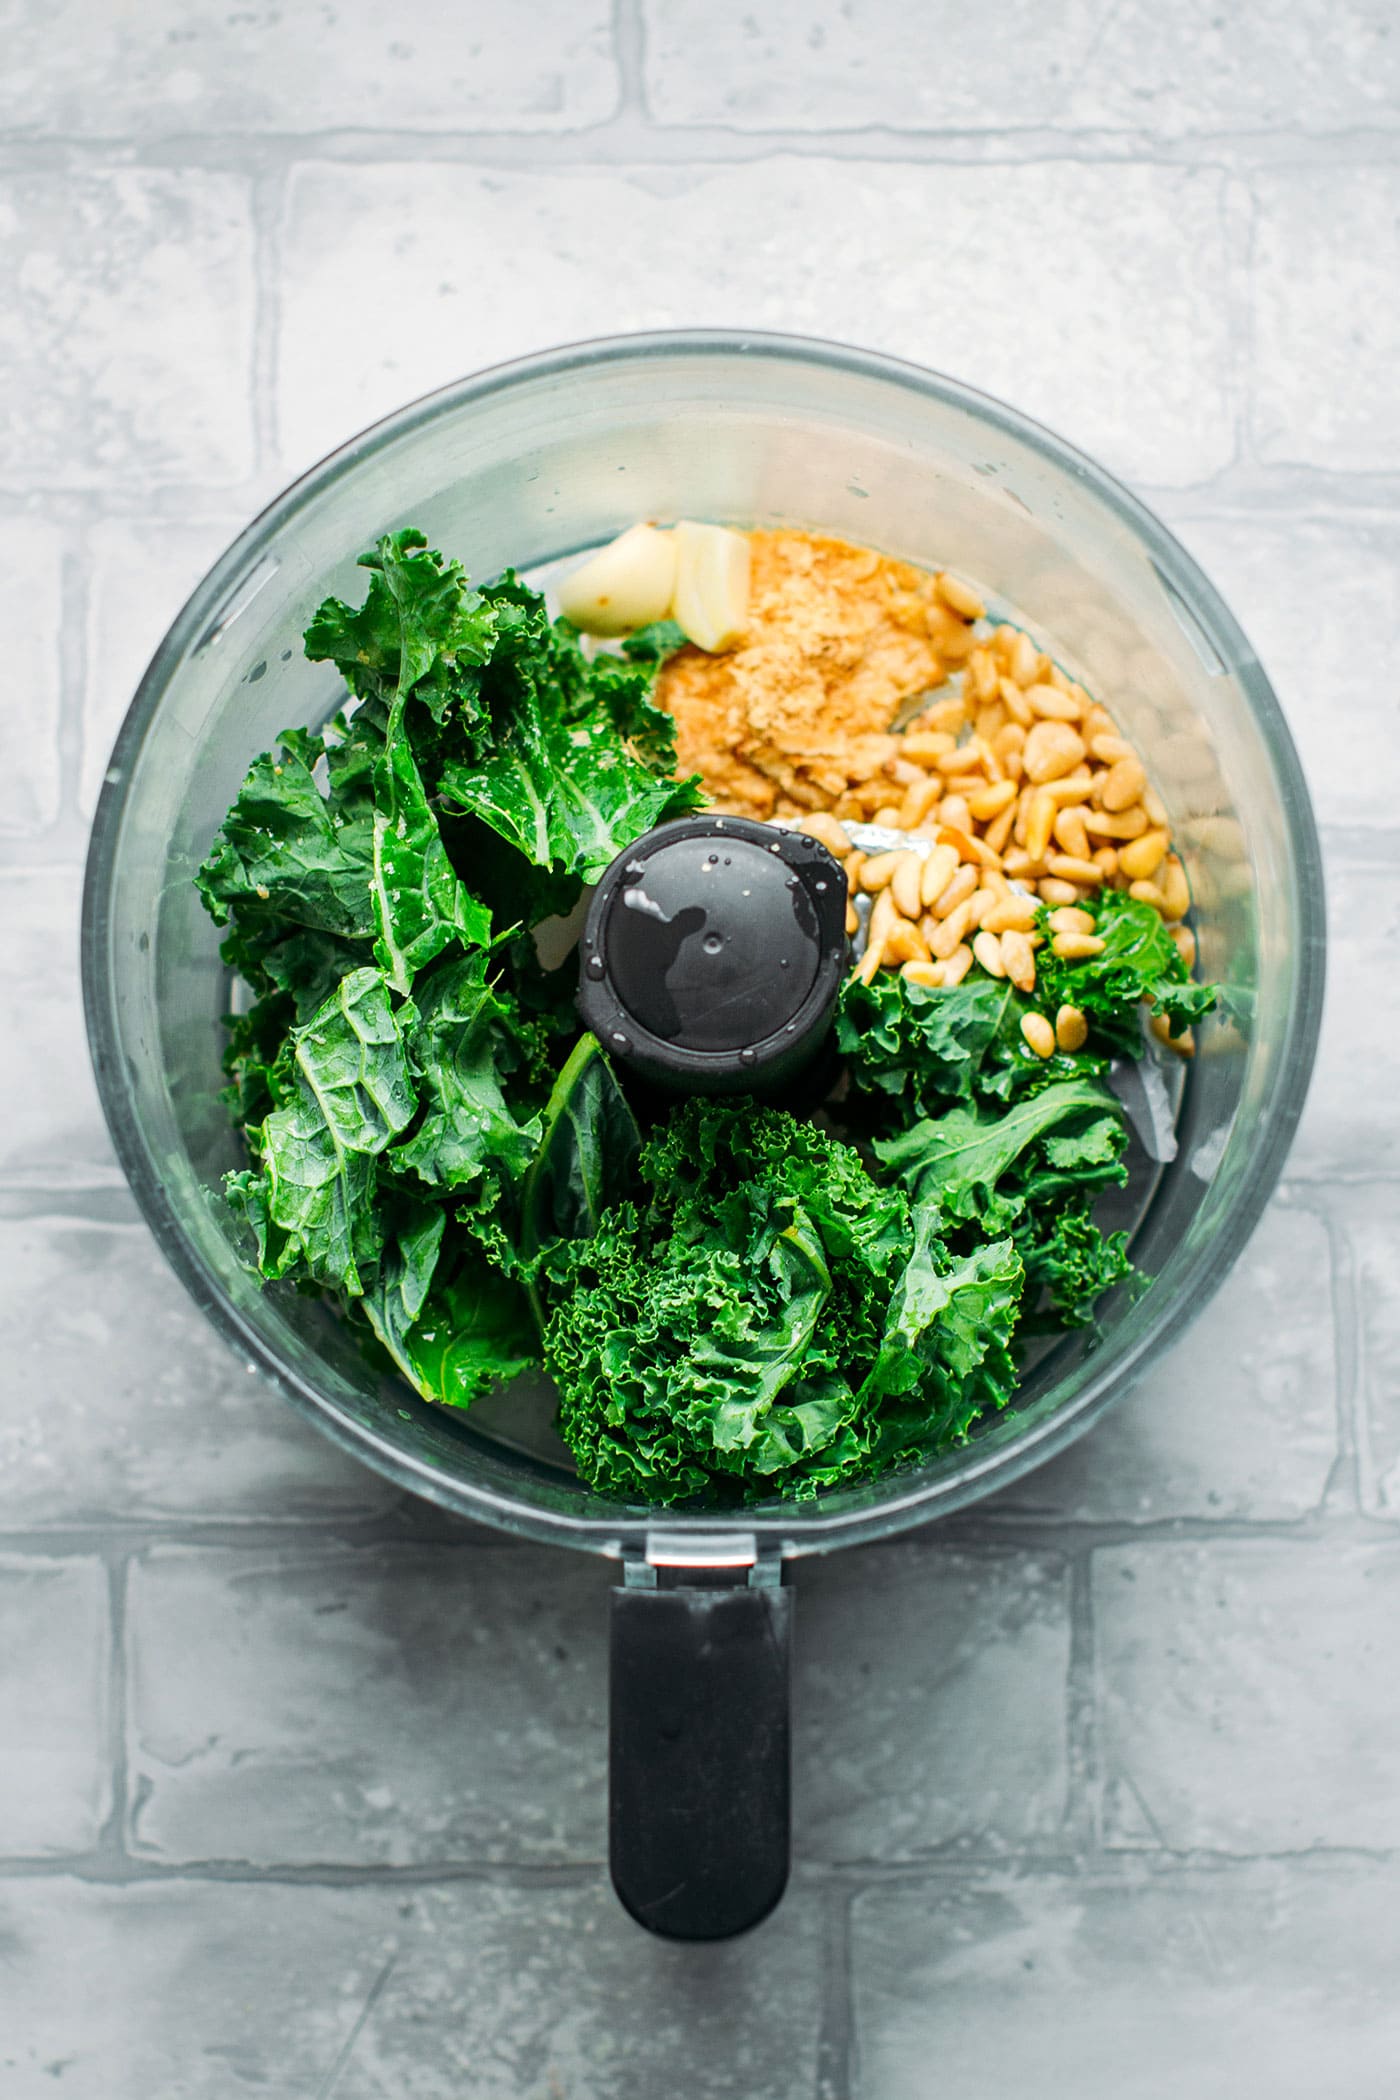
1015, 914
963, 758
953, 811
1019, 958
1052, 750
1069, 919
1070, 868
981, 902
969, 848
1038, 1035
982, 674
904, 884
1051, 704
1176, 891
927, 746
961, 596
919, 798
902, 771
986, 949
1184, 1044
1185, 941
904, 944
1070, 833
962, 886
878, 871
886, 817
990, 801
1071, 789
991, 720
929, 974
852, 922
951, 930
1130, 824
1055, 890
1124, 785
1039, 820
870, 962
1140, 858
1106, 858
999, 830
826, 831
1071, 1028
1077, 947
937, 872
882, 919
855, 861
1154, 807
1025, 660
956, 967
1010, 737
1015, 703
1111, 748
1147, 893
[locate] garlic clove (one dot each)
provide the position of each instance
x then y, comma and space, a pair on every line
624, 585
711, 603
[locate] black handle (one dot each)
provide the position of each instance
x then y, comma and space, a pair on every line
700, 1757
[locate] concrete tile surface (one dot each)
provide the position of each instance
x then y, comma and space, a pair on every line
1246, 1701
54, 1752
647, 247
169, 70
301, 1788
211, 1989
1196, 1983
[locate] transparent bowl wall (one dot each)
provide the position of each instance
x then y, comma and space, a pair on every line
525, 466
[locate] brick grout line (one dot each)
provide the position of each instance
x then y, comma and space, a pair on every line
1238, 215
629, 41
1342, 1494
631, 136
836, 2035
268, 194
74, 669
111, 1839
1083, 1807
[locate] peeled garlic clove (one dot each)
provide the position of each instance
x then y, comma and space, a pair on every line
626, 584
711, 604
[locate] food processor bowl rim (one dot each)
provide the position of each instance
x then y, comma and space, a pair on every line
899, 1505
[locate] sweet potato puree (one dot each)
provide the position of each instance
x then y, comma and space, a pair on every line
839, 639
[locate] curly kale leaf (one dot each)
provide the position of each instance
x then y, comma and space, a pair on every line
768, 1319
1140, 964
419, 625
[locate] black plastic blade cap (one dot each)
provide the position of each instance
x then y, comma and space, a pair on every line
700, 1757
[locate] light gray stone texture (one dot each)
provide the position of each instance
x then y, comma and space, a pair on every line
1369, 1222
930, 1702
211, 1990
126, 328
1308, 590
1351, 1124
140, 572
1174, 68
1238, 1420
1327, 317
943, 264
393, 1705
122, 1403
186, 70
54, 1135
31, 613
54, 1766
1247, 1702
1274, 1983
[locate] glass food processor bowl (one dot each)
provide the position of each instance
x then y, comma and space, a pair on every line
527, 466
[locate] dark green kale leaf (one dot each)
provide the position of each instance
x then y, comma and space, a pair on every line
419, 623
768, 1320
420, 904
311, 1201
453, 1327
654, 643
1140, 963
565, 759
1071, 1261
984, 1169
587, 1155
916, 1050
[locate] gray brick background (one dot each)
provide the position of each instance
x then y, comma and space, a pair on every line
1098, 1787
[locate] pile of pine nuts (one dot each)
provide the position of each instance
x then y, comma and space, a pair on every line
1018, 779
